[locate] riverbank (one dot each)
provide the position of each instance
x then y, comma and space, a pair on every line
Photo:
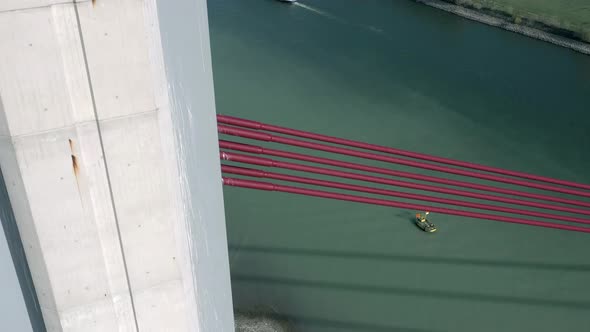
527, 24
263, 321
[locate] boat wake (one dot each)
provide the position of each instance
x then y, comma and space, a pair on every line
338, 19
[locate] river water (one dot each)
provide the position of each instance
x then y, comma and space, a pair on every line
401, 74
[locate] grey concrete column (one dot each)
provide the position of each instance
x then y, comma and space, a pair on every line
184, 32
19, 307
102, 192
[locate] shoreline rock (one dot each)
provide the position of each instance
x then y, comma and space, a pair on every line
262, 321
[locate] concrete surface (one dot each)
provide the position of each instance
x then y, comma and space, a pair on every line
88, 153
18, 312
184, 29
13, 311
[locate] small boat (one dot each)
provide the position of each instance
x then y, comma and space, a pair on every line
424, 224
290, 1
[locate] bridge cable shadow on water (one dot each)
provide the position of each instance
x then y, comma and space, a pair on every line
345, 325
431, 293
414, 259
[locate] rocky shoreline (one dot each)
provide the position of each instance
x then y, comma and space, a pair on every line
261, 321
533, 29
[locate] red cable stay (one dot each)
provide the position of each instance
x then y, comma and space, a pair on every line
293, 132
291, 155
327, 148
323, 183
343, 197
265, 162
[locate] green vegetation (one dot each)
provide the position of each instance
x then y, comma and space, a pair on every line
573, 16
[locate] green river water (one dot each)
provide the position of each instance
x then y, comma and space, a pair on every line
401, 74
